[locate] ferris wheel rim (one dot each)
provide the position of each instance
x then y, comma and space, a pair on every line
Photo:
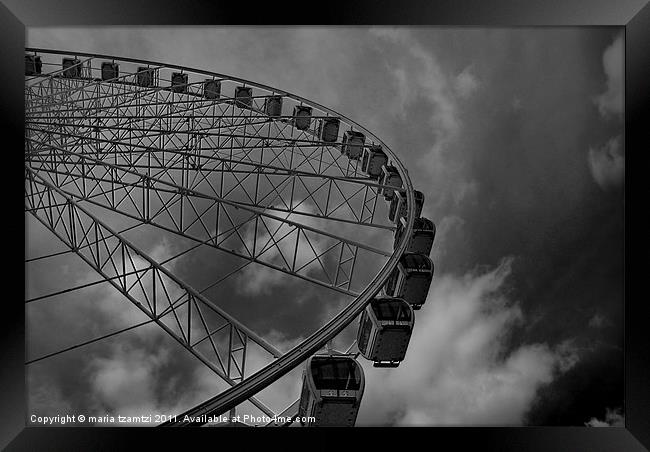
254, 383
235, 79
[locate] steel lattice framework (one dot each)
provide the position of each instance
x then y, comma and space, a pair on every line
216, 170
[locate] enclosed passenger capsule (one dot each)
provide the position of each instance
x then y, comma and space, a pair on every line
302, 116
411, 279
179, 82
273, 106
421, 241
71, 67
33, 65
332, 387
399, 205
374, 158
110, 70
385, 330
244, 96
211, 89
352, 144
145, 77
329, 129
389, 176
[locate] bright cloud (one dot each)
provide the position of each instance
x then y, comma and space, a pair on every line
124, 383
466, 83
613, 418
597, 321
446, 228
133, 381
457, 370
418, 75
607, 164
424, 89
611, 103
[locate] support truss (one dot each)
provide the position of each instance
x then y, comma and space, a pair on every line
217, 339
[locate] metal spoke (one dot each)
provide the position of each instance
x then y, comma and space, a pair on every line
88, 342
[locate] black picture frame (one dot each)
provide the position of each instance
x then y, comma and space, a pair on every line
633, 15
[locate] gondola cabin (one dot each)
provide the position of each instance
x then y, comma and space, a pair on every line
244, 96
33, 65
211, 89
385, 330
179, 82
411, 279
71, 67
373, 159
332, 386
352, 144
398, 205
329, 129
302, 117
421, 241
273, 106
145, 77
110, 70
389, 176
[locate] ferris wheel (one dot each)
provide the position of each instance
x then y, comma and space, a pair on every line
272, 180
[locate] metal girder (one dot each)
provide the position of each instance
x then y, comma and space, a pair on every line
176, 307
82, 170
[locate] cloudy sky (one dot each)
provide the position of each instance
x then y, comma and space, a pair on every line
515, 136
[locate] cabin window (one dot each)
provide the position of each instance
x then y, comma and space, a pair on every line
109, 71
392, 282
179, 82
273, 106
364, 160
353, 144
211, 89
364, 335
342, 374
243, 97
392, 310
329, 129
302, 116
145, 76
416, 262
71, 67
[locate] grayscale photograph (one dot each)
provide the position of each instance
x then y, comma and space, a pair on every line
292, 226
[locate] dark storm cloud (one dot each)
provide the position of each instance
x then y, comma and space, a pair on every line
535, 197
508, 134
